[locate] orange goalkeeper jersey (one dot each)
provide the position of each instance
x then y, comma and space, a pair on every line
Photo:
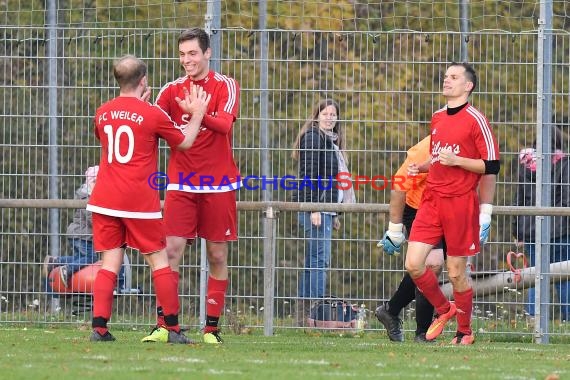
414, 186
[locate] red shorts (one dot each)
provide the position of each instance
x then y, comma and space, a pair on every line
146, 235
211, 216
454, 218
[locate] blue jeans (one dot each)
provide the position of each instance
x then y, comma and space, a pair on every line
559, 251
317, 255
83, 254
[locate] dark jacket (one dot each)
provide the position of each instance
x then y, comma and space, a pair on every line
524, 225
318, 168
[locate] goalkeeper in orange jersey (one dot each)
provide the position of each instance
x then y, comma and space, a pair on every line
404, 203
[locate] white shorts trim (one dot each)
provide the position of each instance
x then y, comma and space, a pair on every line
124, 214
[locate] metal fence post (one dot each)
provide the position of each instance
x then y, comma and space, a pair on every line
53, 122
270, 231
464, 27
543, 186
212, 24
269, 225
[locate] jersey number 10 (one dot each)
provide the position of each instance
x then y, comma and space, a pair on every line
114, 143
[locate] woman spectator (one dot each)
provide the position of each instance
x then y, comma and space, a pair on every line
320, 149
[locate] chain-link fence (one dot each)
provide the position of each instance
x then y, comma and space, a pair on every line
382, 61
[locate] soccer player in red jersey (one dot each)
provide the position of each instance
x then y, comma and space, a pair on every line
124, 204
464, 159
201, 196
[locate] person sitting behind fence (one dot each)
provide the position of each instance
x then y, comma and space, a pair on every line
79, 237
524, 225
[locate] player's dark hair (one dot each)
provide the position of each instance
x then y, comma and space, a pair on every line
128, 71
195, 34
470, 73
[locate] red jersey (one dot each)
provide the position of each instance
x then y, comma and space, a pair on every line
468, 134
209, 166
129, 129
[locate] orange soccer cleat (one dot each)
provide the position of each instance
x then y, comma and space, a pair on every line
438, 324
461, 338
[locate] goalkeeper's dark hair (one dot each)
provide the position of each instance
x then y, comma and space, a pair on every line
195, 34
470, 73
128, 71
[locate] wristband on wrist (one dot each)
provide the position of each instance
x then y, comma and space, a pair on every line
485, 212
395, 227
486, 208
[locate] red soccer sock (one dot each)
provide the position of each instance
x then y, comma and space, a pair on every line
464, 303
159, 311
427, 283
176, 276
167, 296
214, 302
103, 287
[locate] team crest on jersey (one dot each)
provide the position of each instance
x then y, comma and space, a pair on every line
434, 131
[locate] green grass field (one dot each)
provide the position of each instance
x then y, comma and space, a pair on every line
65, 353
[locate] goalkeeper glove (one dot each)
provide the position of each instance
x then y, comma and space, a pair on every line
393, 239
485, 222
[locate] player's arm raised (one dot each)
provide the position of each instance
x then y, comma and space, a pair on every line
226, 102
194, 103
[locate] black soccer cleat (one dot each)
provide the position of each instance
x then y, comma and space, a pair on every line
392, 324
96, 337
179, 338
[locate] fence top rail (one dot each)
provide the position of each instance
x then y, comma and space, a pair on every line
149, 31
291, 206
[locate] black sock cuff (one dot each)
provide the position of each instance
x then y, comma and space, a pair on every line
171, 320
212, 321
99, 322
